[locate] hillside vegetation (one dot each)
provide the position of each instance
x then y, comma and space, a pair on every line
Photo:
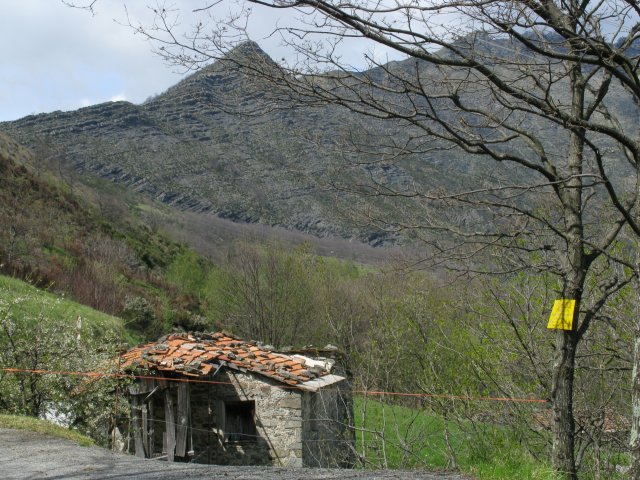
23, 299
69, 239
106, 248
48, 342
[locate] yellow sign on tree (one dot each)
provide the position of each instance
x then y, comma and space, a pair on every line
562, 315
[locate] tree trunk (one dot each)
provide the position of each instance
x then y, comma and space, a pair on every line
567, 340
634, 442
575, 268
562, 398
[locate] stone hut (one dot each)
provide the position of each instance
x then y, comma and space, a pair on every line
213, 398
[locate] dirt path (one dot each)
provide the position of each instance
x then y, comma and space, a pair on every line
29, 455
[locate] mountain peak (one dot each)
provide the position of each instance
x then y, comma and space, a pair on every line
212, 82
248, 48
247, 54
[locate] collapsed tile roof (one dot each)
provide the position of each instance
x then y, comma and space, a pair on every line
200, 354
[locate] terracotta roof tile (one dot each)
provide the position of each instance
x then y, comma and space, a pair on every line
196, 355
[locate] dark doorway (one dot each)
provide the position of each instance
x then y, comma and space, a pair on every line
240, 421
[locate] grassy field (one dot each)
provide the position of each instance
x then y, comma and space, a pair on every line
46, 428
26, 300
401, 437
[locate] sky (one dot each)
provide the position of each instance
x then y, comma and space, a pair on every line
53, 57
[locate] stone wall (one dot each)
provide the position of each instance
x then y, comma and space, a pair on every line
293, 428
328, 440
278, 421
277, 439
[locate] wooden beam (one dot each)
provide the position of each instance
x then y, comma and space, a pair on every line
145, 427
164, 443
137, 426
151, 447
170, 425
182, 429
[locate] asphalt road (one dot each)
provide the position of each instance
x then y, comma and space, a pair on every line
29, 455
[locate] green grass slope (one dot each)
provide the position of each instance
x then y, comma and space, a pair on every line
23, 300
18, 422
395, 436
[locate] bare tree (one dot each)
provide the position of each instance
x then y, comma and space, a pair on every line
266, 296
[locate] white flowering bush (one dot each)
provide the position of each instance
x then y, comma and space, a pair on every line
46, 352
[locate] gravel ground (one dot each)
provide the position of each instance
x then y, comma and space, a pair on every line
29, 455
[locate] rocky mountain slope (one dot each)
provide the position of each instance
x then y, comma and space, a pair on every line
184, 149
271, 164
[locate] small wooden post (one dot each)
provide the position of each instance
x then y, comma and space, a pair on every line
145, 427
220, 421
164, 443
137, 427
170, 425
151, 423
182, 429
